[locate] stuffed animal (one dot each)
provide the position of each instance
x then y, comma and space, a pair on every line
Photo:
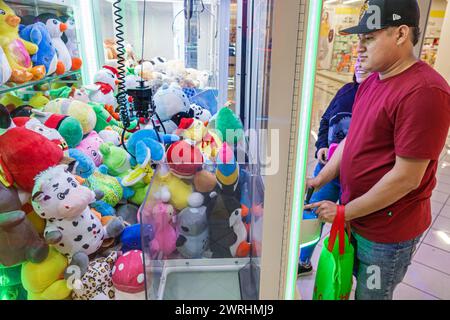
196, 78
64, 203
128, 212
204, 181
5, 69
116, 162
113, 191
193, 238
172, 104
200, 113
227, 126
128, 276
50, 133
70, 37
105, 83
68, 127
90, 146
76, 109
43, 280
70, 93
38, 101
109, 135
19, 241
24, 154
163, 244
56, 28
131, 238
11, 101
17, 50
96, 283
105, 120
184, 159
46, 55
159, 64
180, 191
143, 143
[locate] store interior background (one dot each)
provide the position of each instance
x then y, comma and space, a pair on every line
429, 275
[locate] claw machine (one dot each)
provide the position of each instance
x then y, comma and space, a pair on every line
222, 222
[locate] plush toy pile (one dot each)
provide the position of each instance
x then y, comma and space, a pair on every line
33, 47
88, 197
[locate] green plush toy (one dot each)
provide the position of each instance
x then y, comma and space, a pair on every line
116, 162
68, 127
38, 101
104, 119
228, 126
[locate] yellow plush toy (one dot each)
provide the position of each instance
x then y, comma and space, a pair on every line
179, 190
44, 281
38, 101
17, 50
11, 101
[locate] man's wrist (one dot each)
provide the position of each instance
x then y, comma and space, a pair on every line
347, 213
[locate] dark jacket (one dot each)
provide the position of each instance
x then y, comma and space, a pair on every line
336, 119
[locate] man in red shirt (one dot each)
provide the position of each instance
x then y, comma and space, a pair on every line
388, 162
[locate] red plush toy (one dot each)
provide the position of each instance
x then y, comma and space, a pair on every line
184, 159
24, 154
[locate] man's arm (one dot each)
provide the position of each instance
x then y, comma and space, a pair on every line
331, 169
405, 177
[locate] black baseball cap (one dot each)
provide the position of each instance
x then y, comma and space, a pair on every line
381, 14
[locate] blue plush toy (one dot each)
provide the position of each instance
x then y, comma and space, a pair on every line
145, 143
111, 187
46, 55
131, 237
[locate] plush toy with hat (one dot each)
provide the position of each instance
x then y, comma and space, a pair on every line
105, 83
24, 154
56, 28
17, 50
38, 34
50, 133
5, 69
44, 281
68, 127
227, 126
200, 113
128, 276
71, 227
76, 109
19, 241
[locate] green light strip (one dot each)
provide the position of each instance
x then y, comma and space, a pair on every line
312, 42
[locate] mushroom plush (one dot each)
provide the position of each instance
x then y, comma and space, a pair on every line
128, 276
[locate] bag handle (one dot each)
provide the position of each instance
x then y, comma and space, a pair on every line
338, 229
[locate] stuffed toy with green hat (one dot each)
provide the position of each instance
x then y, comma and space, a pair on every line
68, 127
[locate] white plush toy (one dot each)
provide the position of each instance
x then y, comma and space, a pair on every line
71, 34
200, 113
159, 64
105, 83
71, 226
172, 104
109, 135
5, 69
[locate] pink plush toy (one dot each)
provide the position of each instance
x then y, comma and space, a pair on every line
128, 276
165, 239
90, 146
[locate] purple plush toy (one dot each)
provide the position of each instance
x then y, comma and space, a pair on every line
90, 146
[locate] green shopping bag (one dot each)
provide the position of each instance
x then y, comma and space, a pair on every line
334, 276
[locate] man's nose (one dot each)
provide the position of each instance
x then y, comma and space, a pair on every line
361, 47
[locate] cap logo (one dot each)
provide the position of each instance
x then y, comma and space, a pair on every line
396, 17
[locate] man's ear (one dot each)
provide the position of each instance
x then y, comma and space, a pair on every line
403, 33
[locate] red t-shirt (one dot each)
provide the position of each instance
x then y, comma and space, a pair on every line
407, 115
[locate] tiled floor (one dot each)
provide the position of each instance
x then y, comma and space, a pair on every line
428, 277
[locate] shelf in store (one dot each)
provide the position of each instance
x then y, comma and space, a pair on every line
12, 87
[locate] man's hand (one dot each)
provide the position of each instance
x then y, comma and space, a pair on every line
322, 155
326, 210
